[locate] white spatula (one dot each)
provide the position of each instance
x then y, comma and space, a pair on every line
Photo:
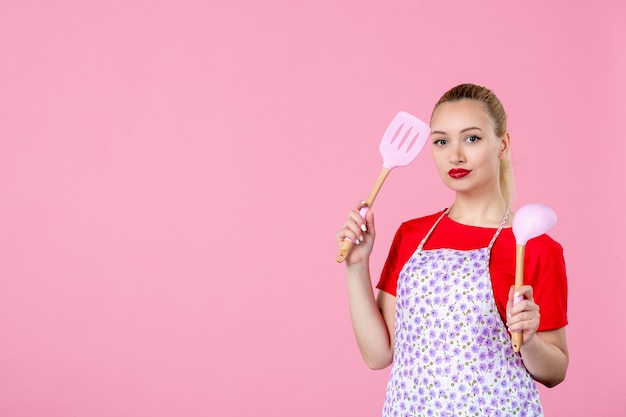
402, 142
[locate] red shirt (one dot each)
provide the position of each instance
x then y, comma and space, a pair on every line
544, 265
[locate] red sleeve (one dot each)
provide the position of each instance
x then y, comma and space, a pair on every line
544, 270
389, 277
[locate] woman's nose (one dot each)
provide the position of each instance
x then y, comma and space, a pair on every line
456, 154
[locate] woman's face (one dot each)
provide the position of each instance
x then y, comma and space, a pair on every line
465, 148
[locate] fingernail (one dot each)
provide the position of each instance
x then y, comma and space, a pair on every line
361, 238
358, 242
516, 294
363, 227
363, 202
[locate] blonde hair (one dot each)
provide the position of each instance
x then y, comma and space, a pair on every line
498, 115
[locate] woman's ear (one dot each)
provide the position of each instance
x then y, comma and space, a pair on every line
505, 145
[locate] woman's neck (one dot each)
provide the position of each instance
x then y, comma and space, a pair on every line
481, 212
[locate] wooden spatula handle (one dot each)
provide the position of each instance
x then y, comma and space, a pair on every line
346, 245
344, 250
517, 337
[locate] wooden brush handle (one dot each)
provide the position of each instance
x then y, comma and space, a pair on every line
517, 337
346, 245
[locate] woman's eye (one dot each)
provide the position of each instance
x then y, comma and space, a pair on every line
472, 138
439, 142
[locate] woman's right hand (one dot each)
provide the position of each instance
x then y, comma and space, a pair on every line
361, 232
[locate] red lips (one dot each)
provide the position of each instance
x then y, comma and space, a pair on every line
458, 173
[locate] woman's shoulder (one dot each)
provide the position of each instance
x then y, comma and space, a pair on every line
543, 245
409, 234
420, 223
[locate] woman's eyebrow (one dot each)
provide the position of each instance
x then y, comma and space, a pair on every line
441, 132
471, 128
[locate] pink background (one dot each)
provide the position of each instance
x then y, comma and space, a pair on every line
172, 174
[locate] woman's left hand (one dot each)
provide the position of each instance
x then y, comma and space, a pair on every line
523, 316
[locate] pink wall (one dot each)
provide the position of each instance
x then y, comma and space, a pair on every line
172, 174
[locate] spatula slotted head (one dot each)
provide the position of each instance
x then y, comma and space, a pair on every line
403, 140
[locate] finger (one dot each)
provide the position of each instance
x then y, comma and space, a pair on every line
351, 228
361, 204
351, 231
359, 216
363, 208
509, 303
522, 312
525, 291
357, 222
529, 323
516, 296
356, 225
369, 222
523, 306
520, 295
349, 236
524, 317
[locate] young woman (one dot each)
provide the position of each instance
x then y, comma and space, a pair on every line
444, 310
